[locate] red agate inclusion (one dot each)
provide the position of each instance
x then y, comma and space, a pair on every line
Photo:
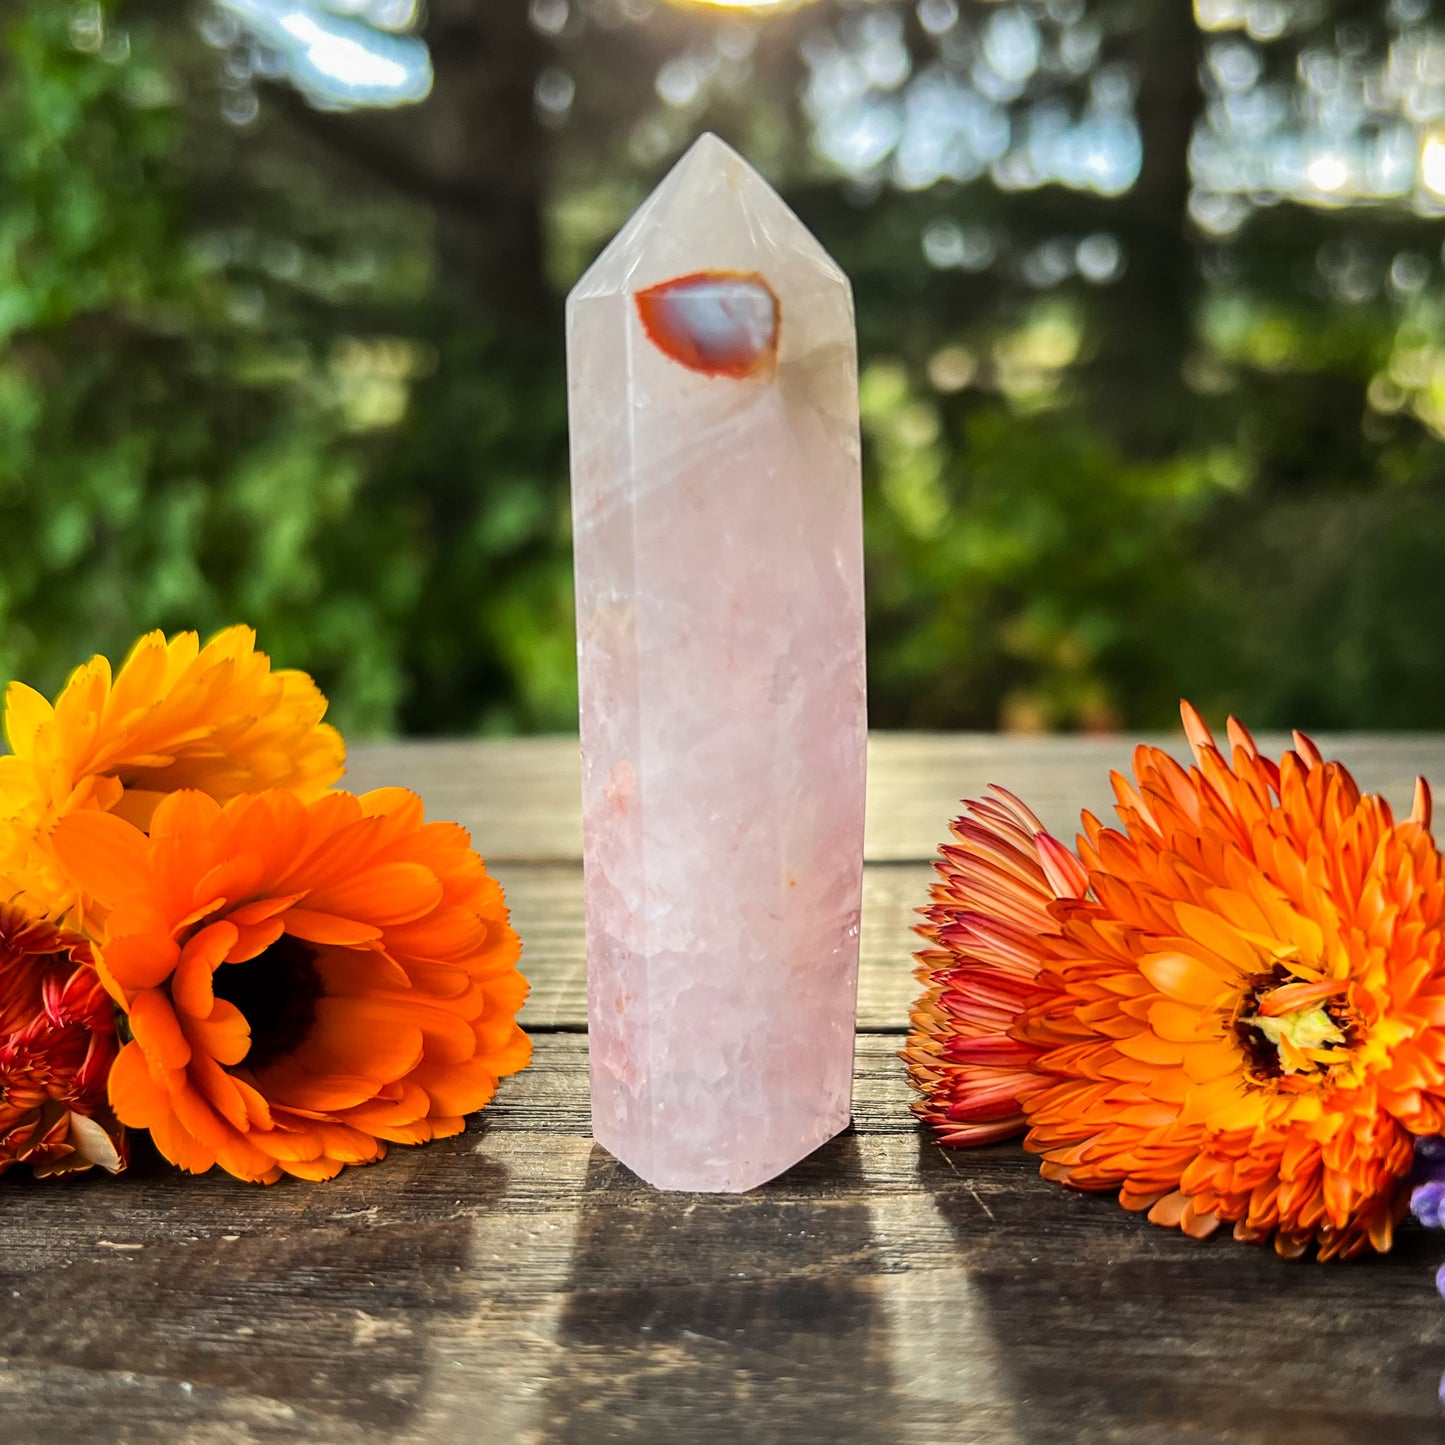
721, 323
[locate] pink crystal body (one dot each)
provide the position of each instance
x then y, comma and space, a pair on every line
718, 535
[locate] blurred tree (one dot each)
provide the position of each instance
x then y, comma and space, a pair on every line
290, 372
1098, 398
1150, 305
477, 461
176, 448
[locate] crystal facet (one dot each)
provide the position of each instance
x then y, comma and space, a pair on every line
718, 528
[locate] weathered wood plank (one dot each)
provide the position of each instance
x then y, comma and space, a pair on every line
520, 797
546, 901
518, 1285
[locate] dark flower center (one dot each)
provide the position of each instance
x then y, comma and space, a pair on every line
277, 992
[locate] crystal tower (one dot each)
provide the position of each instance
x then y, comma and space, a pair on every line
716, 498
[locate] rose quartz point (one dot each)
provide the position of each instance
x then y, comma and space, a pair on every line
718, 525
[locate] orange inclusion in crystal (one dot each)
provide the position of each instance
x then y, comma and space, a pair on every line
714, 336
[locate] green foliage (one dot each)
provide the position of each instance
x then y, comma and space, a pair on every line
1283, 563
169, 455
213, 408
1038, 562
246, 373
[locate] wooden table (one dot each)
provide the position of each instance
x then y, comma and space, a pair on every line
516, 1284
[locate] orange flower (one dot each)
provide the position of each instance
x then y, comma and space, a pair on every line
176, 715
57, 1044
302, 980
1231, 1011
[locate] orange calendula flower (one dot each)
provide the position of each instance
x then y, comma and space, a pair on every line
57, 1045
1231, 1011
177, 715
302, 981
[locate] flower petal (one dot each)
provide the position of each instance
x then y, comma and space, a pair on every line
103, 856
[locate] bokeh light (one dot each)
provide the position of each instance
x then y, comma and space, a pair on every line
342, 55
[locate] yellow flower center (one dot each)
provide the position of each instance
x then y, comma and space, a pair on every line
1292, 1026
1306, 1040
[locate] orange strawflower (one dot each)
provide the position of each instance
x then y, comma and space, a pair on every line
303, 981
57, 1045
176, 715
1231, 1011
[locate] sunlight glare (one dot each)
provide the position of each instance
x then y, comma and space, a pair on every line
752, 5
1432, 163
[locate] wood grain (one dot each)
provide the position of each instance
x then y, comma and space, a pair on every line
518, 1285
520, 797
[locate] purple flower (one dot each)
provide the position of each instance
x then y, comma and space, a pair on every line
1431, 1149
1427, 1202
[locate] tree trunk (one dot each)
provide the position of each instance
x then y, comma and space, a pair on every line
473, 152
478, 134
1150, 317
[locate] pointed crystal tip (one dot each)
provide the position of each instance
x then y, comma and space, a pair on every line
711, 212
